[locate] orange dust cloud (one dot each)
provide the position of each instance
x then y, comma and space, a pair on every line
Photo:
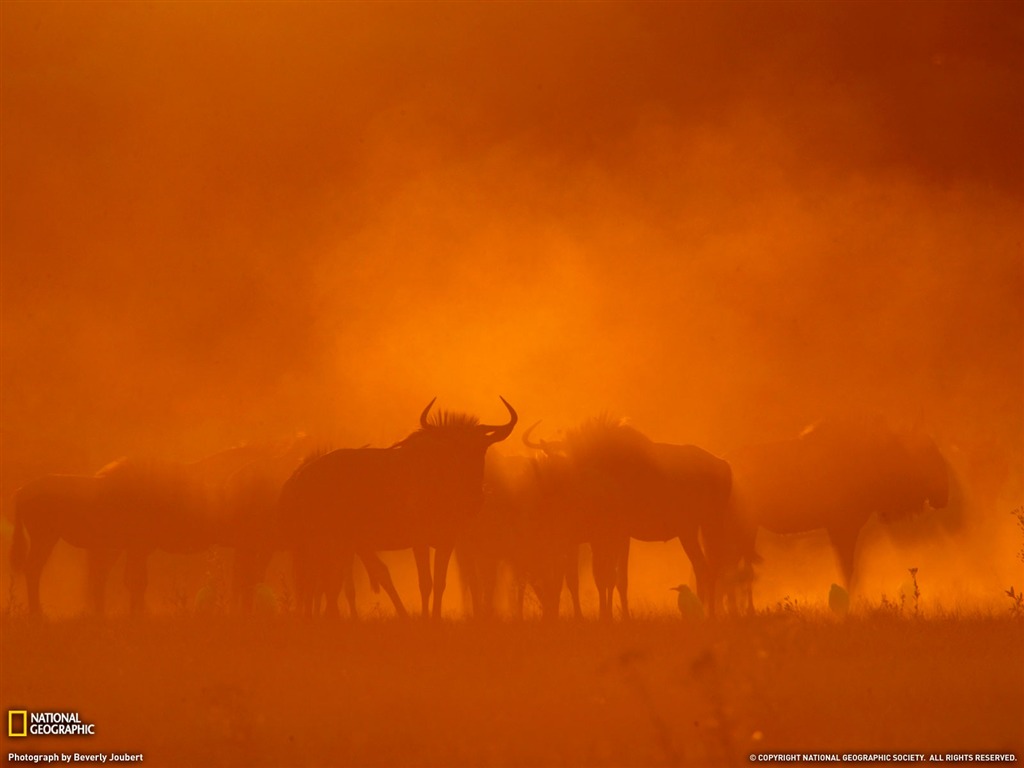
230, 222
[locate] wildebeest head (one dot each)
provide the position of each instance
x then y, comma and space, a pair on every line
909, 471
453, 446
420, 491
606, 444
548, 447
594, 461
461, 429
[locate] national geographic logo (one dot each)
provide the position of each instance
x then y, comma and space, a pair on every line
17, 722
21, 722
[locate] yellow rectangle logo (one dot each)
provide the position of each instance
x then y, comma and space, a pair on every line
14, 716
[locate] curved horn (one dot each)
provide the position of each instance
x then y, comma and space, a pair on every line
423, 416
500, 432
540, 446
550, 447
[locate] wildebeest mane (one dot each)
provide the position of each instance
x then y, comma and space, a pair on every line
452, 422
605, 438
454, 419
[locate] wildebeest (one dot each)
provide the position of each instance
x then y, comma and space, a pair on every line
554, 527
834, 477
485, 545
47, 510
627, 486
524, 527
421, 492
250, 495
132, 506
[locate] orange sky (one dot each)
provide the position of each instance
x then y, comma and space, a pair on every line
227, 221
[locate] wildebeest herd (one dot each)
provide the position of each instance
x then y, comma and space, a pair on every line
604, 484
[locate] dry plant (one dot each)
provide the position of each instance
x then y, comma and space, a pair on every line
1017, 597
917, 591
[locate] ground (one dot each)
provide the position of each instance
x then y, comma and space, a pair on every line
652, 691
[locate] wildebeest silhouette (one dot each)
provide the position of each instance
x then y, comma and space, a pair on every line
487, 541
254, 494
319, 594
626, 486
523, 527
421, 492
834, 476
132, 505
251, 494
554, 527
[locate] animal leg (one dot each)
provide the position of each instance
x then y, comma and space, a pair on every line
547, 585
100, 562
690, 539
441, 557
622, 576
378, 571
336, 573
136, 579
604, 578
479, 574
486, 579
251, 566
309, 582
844, 542
422, 557
572, 579
734, 572
347, 564
470, 578
39, 550
747, 577
334, 581
303, 578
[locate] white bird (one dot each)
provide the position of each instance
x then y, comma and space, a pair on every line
690, 606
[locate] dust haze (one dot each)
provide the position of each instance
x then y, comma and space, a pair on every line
225, 223
251, 224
